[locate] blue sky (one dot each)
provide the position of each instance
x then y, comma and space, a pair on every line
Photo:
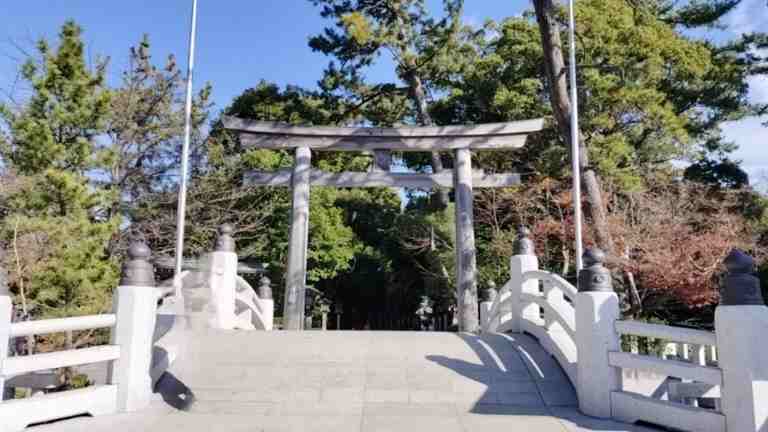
241, 42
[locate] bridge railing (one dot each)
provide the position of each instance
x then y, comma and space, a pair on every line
687, 381
255, 307
236, 304
705, 381
728, 368
129, 353
536, 302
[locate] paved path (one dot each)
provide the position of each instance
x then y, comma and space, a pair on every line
358, 381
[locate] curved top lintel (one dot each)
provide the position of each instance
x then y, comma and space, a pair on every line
488, 129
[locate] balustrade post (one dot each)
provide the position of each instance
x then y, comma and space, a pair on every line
523, 261
222, 276
698, 357
267, 302
489, 295
597, 309
135, 304
741, 322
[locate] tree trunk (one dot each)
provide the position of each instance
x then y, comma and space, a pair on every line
555, 69
419, 98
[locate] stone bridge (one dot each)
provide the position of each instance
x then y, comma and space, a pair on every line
357, 381
198, 355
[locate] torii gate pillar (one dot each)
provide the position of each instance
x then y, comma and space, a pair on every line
295, 282
466, 261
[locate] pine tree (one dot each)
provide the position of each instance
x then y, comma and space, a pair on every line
56, 218
144, 128
421, 49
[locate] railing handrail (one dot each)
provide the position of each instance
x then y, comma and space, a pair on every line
57, 325
557, 281
673, 368
172, 287
503, 292
569, 290
239, 280
250, 298
558, 314
666, 332
567, 322
723, 364
36, 362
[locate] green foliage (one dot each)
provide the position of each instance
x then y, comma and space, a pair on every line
64, 268
725, 173
75, 276
649, 94
80, 381
260, 215
331, 242
499, 78
66, 111
422, 48
80, 158
266, 101
631, 60
144, 127
357, 27
696, 12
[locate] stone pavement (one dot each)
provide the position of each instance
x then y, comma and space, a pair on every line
357, 381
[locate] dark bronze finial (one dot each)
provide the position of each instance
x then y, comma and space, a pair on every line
740, 285
138, 270
592, 257
523, 244
594, 277
225, 242
265, 288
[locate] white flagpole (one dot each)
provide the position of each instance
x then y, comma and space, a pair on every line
182, 206
575, 135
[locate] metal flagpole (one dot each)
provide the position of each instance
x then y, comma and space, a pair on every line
182, 206
575, 135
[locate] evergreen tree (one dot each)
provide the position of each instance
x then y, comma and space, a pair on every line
421, 48
55, 210
145, 127
65, 113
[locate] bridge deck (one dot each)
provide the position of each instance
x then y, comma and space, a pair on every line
357, 381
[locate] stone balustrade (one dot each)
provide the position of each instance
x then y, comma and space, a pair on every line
536, 302
129, 353
726, 368
140, 348
234, 303
709, 381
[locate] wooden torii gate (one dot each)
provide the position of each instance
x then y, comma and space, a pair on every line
461, 140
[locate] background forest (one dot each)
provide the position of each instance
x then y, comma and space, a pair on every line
87, 166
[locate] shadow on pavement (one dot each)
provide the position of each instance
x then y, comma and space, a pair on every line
174, 392
532, 391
